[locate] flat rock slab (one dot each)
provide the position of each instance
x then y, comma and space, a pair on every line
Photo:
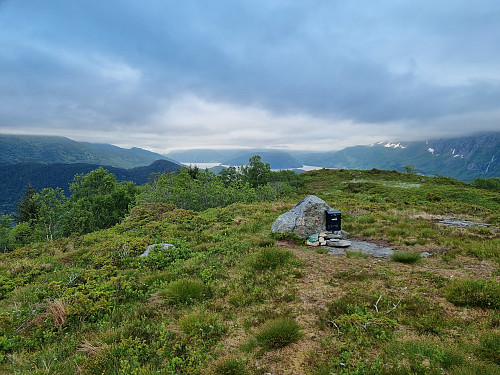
464, 223
365, 247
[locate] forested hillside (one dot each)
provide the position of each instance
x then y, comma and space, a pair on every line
51, 149
191, 280
14, 178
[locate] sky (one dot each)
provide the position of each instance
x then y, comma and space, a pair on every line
309, 75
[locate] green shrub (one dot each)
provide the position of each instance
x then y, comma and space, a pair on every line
489, 347
405, 257
184, 291
270, 258
278, 334
476, 293
230, 366
201, 324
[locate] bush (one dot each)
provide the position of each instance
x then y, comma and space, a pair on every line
278, 334
184, 291
476, 293
230, 366
405, 257
201, 324
489, 347
270, 258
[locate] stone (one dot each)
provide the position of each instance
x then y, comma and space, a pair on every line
307, 217
425, 254
313, 238
338, 243
309, 243
322, 243
151, 247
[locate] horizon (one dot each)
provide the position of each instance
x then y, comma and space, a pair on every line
256, 149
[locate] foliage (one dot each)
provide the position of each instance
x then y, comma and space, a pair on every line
184, 291
6, 242
256, 172
91, 304
492, 183
480, 293
193, 189
278, 333
28, 208
97, 201
405, 257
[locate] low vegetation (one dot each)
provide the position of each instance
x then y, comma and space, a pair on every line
227, 297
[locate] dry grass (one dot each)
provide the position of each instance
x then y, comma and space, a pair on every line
57, 310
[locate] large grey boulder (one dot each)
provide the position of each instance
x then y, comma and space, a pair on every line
306, 218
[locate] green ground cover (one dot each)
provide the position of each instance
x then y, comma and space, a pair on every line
231, 298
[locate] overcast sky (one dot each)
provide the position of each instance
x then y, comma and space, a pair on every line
302, 74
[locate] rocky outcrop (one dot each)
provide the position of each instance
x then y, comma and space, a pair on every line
306, 218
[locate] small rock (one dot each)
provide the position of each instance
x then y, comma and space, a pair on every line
313, 238
321, 239
309, 243
333, 237
425, 254
322, 243
150, 247
339, 243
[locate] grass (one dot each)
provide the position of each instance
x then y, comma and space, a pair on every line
405, 257
89, 304
184, 291
278, 334
477, 293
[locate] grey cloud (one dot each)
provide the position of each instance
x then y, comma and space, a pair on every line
332, 60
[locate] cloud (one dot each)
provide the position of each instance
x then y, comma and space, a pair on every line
253, 73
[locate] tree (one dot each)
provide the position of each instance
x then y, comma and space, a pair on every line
256, 172
28, 208
410, 169
6, 224
97, 201
52, 210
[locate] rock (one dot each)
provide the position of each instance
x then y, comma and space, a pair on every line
425, 254
309, 243
338, 243
151, 247
313, 238
322, 243
307, 217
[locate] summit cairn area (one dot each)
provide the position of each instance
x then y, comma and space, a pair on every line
307, 220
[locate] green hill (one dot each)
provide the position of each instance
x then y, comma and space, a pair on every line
230, 298
50, 149
14, 178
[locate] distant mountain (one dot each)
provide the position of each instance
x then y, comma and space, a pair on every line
50, 149
463, 158
14, 178
278, 159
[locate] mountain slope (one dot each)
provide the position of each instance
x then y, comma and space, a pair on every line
14, 178
51, 149
463, 158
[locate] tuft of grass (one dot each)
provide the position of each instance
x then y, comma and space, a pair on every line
184, 291
270, 258
489, 347
356, 255
475, 293
201, 324
278, 334
230, 366
405, 257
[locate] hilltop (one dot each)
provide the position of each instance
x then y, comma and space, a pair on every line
230, 298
